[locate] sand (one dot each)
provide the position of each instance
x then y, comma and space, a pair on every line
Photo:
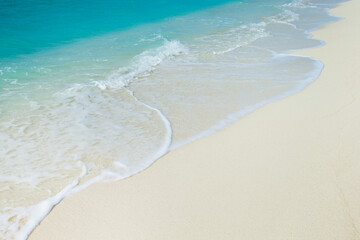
290, 170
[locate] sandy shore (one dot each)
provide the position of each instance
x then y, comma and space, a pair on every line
290, 170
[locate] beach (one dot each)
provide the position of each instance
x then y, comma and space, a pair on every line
289, 170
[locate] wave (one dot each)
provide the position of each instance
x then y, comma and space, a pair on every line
142, 65
72, 133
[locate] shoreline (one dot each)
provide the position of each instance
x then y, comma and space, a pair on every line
305, 189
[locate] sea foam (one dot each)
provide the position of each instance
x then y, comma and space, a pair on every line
142, 65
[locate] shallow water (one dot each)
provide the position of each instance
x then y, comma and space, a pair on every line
102, 102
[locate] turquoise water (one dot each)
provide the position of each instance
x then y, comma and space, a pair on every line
98, 90
34, 25
95, 37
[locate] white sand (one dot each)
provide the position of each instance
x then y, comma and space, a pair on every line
290, 170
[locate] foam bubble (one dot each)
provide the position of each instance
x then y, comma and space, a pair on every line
18, 222
299, 4
142, 65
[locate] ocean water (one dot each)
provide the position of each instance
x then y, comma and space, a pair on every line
98, 90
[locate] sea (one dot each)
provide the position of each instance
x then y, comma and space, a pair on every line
96, 90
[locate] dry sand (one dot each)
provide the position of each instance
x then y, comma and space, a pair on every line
290, 170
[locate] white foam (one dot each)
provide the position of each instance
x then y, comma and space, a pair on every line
238, 37
113, 173
152, 38
21, 221
300, 4
142, 65
285, 17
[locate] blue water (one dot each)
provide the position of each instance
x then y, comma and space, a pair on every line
34, 25
93, 90
114, 29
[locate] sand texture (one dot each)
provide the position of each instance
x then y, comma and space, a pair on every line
290, 170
